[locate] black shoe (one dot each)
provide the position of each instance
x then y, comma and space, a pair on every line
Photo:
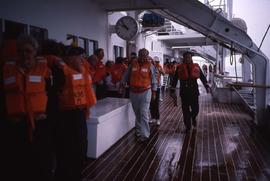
143, 139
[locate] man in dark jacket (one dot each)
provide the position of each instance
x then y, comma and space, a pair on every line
188, 73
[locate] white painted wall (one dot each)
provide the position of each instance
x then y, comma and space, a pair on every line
81, 17
157, 48
113, 39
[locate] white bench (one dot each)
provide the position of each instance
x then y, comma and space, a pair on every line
110, 119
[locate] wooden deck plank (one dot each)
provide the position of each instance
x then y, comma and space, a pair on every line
224, 146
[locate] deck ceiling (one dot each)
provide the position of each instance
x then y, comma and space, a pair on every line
186, 40
126, 5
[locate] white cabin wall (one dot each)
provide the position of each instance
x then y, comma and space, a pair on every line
113, 38
81, 17
157, 48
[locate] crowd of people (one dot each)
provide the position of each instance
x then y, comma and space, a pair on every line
46, 93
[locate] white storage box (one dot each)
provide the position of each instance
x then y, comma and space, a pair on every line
110, 119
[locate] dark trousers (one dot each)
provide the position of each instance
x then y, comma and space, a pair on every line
114, 94
190, 108
25, 159
101, 91
154, 106
71, 144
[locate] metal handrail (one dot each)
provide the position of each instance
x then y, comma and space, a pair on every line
244, 84
245, 102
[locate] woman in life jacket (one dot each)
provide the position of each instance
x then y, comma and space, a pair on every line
25, 82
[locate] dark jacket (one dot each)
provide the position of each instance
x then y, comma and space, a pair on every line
189, 87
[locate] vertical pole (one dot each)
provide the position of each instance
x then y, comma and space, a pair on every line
128, 49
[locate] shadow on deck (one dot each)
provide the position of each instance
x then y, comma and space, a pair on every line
223, 147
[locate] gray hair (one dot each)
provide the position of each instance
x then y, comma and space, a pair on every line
143, 50
26, 39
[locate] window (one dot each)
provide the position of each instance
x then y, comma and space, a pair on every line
92, 46
118, 51
13, 29
72, 39
40, 34
89, 45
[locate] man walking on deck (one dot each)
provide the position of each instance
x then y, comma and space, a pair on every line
143, 85
188, 73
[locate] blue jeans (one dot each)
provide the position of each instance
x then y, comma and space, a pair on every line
140, 104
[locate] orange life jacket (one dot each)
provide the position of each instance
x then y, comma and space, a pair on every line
25, 92
166, 69
8, 51
117, 72
183, 71
77, 91
140, 75
100, 72
52, 60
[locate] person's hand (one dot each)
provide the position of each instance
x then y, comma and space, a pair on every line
208, 89
154, 95
121, 89
40, 116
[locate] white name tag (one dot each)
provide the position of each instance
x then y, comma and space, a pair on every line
62, 63
90, 78
10, 80
34, 78
144, 70
11, 63
77, 76
41, 61
134, 69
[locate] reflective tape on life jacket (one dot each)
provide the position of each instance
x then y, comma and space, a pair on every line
77, 91
183, 71
25, 91
140, 75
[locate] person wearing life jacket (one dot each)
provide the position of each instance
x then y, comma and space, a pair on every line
154, 105
114, 77
26, 81
188, 73
143, 86
52, 51
75, 96
100, 74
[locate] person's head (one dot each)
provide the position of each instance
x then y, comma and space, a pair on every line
27, 51
143, 55
156, 60
187, 57
109, 63
99, 53
119, 60
73, 57
51, 47
93, 60
126, 61
133, 55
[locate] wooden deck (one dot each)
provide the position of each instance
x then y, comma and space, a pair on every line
223, 147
